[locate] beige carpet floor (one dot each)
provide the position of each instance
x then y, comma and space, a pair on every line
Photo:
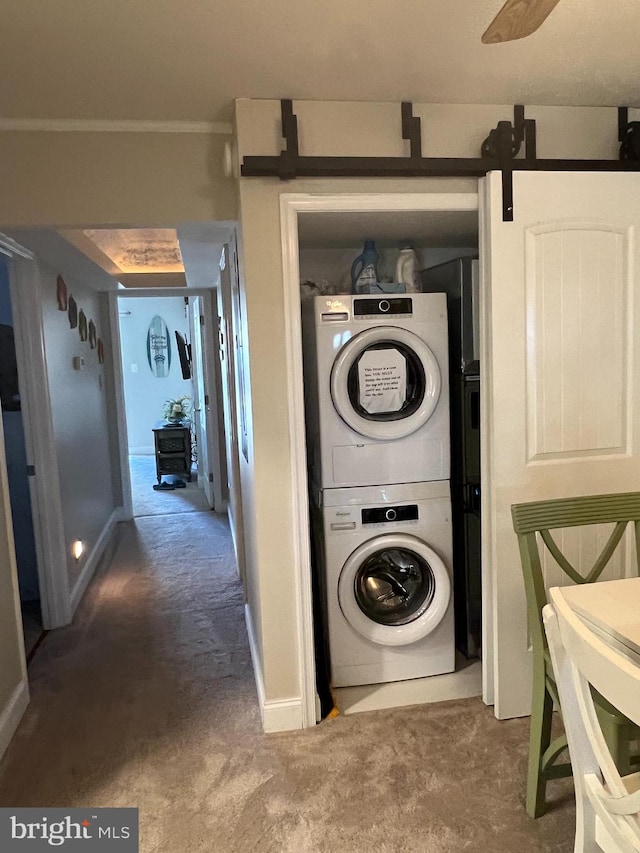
147, 501
148, 700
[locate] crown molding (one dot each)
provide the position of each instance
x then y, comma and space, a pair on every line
72, 125
8, 246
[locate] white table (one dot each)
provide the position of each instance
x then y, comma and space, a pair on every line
613, 607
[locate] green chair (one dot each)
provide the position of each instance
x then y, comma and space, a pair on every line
532, 523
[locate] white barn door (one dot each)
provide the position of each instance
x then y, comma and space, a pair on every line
561, 378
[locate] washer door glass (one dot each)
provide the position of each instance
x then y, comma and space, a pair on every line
394, 589
394, 586
385, 383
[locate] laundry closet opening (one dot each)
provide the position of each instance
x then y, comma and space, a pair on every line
392, 426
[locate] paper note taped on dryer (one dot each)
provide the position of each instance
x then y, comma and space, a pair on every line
382, 379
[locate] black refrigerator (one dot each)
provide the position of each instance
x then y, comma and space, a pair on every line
459, 279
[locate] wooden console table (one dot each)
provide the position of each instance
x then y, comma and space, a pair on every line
173, 449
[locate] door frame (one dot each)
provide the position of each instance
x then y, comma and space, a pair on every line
207, 295
197, 405
227, 343
212, 375
211, 368
44, 487
293, 205
489, 610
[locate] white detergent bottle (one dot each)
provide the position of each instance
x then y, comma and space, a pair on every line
407, 268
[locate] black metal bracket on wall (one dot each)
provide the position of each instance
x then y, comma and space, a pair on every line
500, 152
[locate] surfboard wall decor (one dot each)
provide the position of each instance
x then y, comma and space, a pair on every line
159, 347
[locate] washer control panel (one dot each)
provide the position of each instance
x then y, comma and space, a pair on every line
389, 514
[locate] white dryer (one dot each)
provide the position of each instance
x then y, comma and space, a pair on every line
376, 389
388, 582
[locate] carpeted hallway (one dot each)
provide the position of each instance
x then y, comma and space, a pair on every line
148, 700
146, 501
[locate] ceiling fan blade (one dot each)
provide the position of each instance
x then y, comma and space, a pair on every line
517, 19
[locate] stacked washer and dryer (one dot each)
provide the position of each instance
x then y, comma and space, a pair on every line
378, 440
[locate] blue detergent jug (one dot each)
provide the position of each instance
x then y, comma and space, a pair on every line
364, 270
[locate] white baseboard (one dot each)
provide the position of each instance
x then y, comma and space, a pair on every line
146, 450
121, 514
284, 715
11, 715
281, 715
255, 657
93, 559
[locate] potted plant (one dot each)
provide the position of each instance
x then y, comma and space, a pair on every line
177, 410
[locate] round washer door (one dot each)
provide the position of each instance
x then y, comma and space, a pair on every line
412, 375
394, 589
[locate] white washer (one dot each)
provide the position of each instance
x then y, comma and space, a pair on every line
376, 389
388, 582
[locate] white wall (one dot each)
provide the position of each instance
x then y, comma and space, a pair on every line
80, 417
80, 179
145, 394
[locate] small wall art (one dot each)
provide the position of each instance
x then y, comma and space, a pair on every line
100, 351
82, 326
159, 348
73, 313
61, 294
92, 334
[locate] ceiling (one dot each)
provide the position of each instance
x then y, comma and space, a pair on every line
200, 246
136, 257
169, 61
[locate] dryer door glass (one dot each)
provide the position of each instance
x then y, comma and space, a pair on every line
394, 586
393, 388
385, 383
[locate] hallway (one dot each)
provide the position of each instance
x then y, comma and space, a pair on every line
155, 666
148, 700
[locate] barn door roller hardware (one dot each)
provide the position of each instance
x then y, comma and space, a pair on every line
628, 136
500, 152
504, 144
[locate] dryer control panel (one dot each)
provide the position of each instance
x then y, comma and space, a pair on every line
375, 307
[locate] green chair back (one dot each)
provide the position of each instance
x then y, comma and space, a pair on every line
539, 518
533, 523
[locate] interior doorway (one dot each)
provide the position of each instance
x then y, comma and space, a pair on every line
14, 428
307, 222
170, 403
